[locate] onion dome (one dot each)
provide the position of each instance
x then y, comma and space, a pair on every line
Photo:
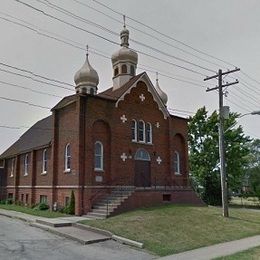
162, 94
86, 78
124, 53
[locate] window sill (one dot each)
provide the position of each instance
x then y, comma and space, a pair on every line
177, 173
25, 175
43, 173
98, 170
67, 171
136, 142
11, 176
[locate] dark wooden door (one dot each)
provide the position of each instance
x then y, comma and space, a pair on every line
142, 173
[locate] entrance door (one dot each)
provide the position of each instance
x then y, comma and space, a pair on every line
142, 169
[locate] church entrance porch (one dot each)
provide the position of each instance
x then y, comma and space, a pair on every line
142, 169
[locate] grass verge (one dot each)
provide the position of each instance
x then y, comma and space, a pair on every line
250, 254
35, 212
172, 229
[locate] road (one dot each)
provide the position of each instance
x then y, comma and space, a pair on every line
19, 241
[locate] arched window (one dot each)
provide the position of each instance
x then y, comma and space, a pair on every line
12, 167
132, 70
149, 136
91, 92
142, 155
99, 156
26, 165
176, 163
141, 131
134, 130
44, 161
67, 158
116, 71
124, 68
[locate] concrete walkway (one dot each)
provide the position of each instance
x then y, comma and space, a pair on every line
218, 250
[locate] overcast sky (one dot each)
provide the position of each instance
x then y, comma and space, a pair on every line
228, 30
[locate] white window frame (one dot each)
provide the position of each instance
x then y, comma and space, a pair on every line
135, 130
176, 161
44, 161
150, 133
44, 199
67, 158
26, 165
141, 141
101, 168
12, 168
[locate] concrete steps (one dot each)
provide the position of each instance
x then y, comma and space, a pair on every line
106, 205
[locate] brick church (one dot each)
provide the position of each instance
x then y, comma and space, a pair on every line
117, 150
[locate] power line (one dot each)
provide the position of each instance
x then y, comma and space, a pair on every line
106, 39
162, 34
30, 89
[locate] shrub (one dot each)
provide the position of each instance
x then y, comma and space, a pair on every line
41, 206
70, 208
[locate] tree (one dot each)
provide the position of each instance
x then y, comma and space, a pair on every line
204, 154
70, 208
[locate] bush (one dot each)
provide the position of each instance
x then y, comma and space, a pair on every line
41, 206
9, 201
70, 208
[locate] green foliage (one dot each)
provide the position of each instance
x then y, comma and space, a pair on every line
41, 206
70, 208
204, 154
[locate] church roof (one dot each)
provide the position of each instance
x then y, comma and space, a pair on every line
116, 94
65, 101
39, 135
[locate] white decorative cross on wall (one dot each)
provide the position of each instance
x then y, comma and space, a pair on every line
123, 157
159, 160
142, 97
157, 124
123, 118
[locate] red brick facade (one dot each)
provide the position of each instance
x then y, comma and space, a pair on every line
92, 118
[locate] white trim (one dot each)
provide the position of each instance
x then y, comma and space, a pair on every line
12, 168
44, 159
177, 163
135, 130
26, 165
101, 168
152, 90
150, 133
144, 133
66, 157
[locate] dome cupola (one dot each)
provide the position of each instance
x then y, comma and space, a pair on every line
162, 94
86, 79
124, 61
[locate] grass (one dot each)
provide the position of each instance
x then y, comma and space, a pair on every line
40, 213
171, 229
245, 202
250, 254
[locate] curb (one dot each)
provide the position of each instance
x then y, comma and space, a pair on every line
15, 217
119, 239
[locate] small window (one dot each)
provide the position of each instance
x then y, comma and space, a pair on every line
67, 158
141, 131
134, 130
98, 156
22, 197
142, 155
10, 196
92, 92
132, 70
26, 165
176, 163
44, 161
149, 139
12, 168
26, 198
43, 199
124, 68
116, 72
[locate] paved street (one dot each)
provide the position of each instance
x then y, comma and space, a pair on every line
19, 241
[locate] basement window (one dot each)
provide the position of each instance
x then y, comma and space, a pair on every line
167, 197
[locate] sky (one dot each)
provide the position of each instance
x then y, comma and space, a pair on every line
227, 31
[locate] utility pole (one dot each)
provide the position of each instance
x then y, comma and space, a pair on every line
223, 175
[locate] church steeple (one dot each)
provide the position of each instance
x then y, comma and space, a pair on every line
86, 78
124, 61
162, 94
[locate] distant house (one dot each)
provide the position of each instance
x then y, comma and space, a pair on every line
117, 150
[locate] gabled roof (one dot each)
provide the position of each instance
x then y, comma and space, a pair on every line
39, 135
116, 94
65, 101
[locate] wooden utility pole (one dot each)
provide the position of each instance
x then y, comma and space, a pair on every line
223, 175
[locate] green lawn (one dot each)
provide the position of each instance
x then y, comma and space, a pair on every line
171, 229
41, 213
251, 254
245, 202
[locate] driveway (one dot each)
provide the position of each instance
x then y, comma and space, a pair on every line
19, 241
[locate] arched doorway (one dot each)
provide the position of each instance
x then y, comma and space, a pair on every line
142, 168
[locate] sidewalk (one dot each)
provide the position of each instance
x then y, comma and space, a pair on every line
218, 250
